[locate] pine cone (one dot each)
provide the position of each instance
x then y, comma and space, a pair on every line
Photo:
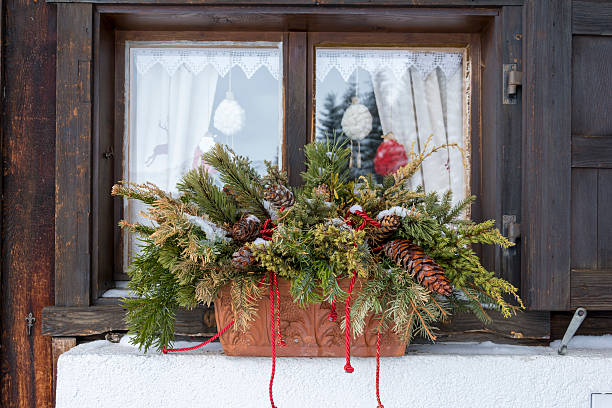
246, 229
243, 258
279, 195
419, 265
323, 191
388, 225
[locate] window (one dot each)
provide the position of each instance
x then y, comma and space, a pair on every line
185, 97
128, 119
93, 114
386, 102
184, 94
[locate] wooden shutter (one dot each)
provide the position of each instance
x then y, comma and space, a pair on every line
591, 155
567, 155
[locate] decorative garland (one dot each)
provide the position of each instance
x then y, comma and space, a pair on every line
413, 256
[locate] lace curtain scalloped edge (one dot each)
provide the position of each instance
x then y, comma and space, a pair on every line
195, 60
345, 61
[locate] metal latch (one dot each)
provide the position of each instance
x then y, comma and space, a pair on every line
575, 323
512, 79
511, 228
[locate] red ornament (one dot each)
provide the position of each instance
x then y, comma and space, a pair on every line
390, 156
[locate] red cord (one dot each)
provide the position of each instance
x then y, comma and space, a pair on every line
230, 324
333, 316
281, 342
175, 350
273, 335
380, 405
366, 220
347, 342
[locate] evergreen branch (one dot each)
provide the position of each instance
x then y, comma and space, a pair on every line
148, 193
244, 182
198, 186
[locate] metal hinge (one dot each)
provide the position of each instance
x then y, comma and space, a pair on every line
513, 78
511, 228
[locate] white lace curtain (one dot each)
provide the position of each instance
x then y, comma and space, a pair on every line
170, 104
221, 59
418, 94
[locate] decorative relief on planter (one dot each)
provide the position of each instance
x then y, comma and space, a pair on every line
308, 332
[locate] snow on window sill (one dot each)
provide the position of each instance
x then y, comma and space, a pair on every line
442, 375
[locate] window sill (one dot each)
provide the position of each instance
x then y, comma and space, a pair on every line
442, 375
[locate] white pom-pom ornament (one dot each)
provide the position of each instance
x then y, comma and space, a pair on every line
229, 116
356, 125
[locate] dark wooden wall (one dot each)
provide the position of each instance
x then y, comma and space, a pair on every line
28, 168
566, 128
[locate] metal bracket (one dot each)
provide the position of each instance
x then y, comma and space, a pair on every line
575, 323
512, 78
511, 228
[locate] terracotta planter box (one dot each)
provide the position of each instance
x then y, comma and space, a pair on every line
307, 332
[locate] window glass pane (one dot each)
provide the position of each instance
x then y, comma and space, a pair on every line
184, 97
385, 102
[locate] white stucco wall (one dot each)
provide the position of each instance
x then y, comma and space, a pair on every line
103, 374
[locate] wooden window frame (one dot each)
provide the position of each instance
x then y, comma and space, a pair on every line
90, 114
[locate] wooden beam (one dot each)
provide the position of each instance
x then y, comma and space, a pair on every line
525, 328
60, 345
200, 322
73, 155
296, 117
28, 168
597, 323
512, 124
546, 155
88, 321
421, 3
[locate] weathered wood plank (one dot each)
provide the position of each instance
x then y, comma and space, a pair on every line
546, 158
28, 142
60, 345
511, 118
592, 151
87, 321
591, 289
103, 158
596, 323
490, 138
73, 155
526, 327
436, 3
591, 85
592, 17
604, 220
200, 322
584, 219
296, 131
373, 18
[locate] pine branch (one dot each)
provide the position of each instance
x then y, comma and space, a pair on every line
151, 314
326, 163
148, 193
198, 186
244, 294
244, 182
